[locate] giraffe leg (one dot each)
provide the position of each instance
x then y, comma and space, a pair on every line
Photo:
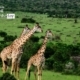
13, 66
14, 69
18, 64
35, 73
17, 71
39, 72
28, 73
4, 67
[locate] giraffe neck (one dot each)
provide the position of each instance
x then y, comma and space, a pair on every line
24, 38
25, 31
43, 47
22, 34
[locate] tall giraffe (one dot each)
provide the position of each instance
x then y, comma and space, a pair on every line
38, 60
16, 56
19, 55
6, 52
17, 45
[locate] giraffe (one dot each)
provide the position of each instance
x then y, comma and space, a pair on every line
6, 52
17, 49
19, 54
38, 60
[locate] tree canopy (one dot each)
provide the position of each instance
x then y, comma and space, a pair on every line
67, 8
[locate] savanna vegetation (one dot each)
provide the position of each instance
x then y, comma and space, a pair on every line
47, 75
62, 17
55, 8
65, 42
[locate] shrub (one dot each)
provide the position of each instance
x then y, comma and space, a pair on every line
78, 70
49, 63
35, 39
28, 20
3, 34
9, 38
69, 65
58, 66
69, 68
7, 76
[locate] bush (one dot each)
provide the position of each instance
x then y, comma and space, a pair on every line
49, 63
69, 68
9, 38
78, 70
3, 34
35, 39
68, 71
28, 20
69, 65
58, 66
7, 76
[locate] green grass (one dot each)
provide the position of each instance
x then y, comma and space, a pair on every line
64, 27
48, 75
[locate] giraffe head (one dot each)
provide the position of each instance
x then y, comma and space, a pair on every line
49, 34
25, 30
37, 28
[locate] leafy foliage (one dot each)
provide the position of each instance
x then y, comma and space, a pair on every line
55, 8
3, 34
7, 39
7, 76
27, 20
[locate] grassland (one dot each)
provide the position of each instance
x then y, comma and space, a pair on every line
64, 27
68, 31
48, 75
